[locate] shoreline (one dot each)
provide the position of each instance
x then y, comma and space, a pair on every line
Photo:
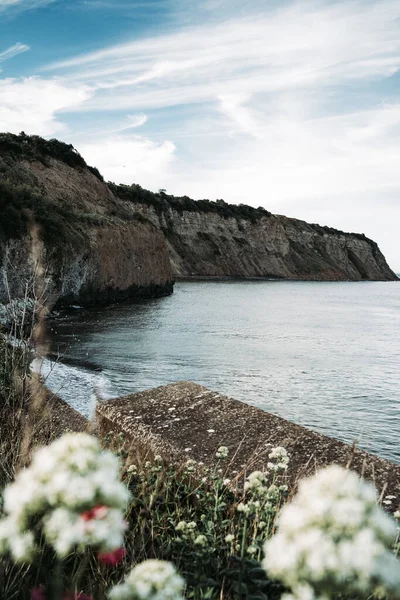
234, 278
273, 416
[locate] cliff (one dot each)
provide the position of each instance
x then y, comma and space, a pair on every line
204, 243
100, 243
57, 214
216, 239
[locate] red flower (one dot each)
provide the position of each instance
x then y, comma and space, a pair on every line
38, 593
112, 558
98, 512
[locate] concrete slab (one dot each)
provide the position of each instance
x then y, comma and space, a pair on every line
185, 420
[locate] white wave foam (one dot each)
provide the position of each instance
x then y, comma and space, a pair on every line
80, 388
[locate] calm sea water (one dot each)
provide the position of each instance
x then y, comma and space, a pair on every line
324, 355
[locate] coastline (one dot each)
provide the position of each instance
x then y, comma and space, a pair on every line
228, 278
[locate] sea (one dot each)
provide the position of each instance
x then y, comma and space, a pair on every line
325, 355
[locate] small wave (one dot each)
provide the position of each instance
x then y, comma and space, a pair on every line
79, 387
74, 362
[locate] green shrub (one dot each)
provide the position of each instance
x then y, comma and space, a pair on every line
21, 204
210, 527
162, 202
324, 229
34, 147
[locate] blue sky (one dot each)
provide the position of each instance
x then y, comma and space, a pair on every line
294, 106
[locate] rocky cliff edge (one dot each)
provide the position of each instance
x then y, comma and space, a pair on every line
65, 236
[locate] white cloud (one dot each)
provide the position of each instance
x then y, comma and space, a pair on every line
20, 5
31, 104
132, 159
13, 51
127, 5
130, 122
308, 44
136, 120
234, 108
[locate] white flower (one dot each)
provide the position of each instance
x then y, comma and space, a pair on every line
256, 482
182, 526
222, 452
66, 530
66, 480
279, 453
244, 508
333, 539
201, 540
303, 592
150, 580
190, 467
18, 543
279, 458
22, 546
229, 538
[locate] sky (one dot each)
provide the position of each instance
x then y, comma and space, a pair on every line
290, 105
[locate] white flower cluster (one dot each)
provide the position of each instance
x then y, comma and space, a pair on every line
222, 452
200, 540
256, 482
71, 493
150, 580
191, 466
261, 497
334, 538
188, 532
184, 526
279, 459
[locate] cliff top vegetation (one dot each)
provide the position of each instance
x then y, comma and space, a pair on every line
331, 230
33, 147
162, 201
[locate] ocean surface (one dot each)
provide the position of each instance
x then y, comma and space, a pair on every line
324, 355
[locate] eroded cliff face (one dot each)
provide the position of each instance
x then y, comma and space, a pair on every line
97, 243
93, 248
210, 245
120, 262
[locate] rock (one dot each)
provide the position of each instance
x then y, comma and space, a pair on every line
208, 244
18, 315
67, 239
